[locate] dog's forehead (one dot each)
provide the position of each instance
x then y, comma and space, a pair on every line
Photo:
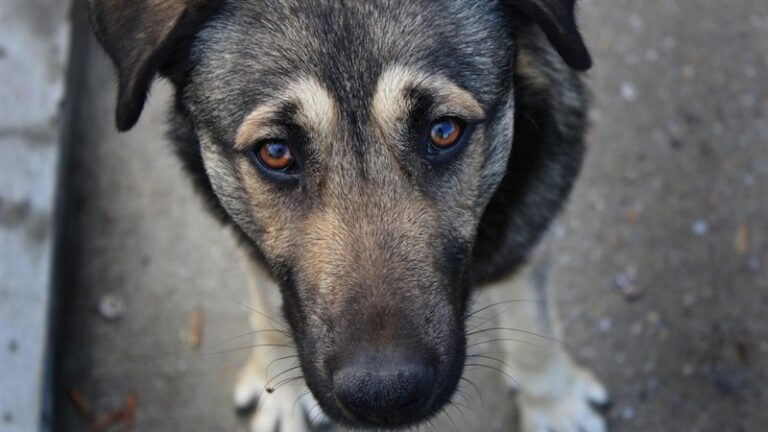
255, 49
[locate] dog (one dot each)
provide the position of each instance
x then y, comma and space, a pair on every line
380, 162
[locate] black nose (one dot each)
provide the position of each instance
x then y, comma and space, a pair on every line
384, 389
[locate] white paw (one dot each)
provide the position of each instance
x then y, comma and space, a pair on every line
572, 411
290, 408
287, 410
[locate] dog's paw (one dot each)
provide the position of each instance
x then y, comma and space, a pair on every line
574, 410
289, 408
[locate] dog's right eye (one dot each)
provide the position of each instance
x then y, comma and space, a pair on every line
275, 156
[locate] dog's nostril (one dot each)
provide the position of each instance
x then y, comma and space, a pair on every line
385, 389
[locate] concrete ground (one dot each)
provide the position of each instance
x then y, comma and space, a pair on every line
661, 257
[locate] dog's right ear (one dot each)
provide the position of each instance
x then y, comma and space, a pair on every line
557, 18
138, 35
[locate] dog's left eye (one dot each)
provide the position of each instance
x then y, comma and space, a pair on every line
444, 138
445, 132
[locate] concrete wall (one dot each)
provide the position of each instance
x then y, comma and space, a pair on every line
34, 52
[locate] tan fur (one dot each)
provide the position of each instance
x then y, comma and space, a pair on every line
390, 103
317, 112
264, 206
255, 126
525, 66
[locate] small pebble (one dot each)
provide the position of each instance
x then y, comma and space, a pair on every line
741, 240
649, 367
750, 71
757, 21
669, 42
7, 417
637, 328
111, 307
689, 299
653, 317
628, 91
13, 346
559, 231
598, 203
688, 370
652, 55
728, 380
628, 413
652, 384
674, 127
700, 227
605, 324
748, 100
627, 282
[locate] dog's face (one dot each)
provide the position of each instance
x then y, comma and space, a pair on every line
357, 145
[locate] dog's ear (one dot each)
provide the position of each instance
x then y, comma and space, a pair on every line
558, 21
138, 35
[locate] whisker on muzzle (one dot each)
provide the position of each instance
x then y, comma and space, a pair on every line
282, 383
267, 384
448, 415
316, 415
266, 370
301, 396
490, 358
277, 322
247, 347
492, 305
522, 341
501, 371
475, 388
527, 332
250, 333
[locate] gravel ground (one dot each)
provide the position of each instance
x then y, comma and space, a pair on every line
661, 262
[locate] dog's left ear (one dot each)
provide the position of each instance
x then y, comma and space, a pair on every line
138, 35
558, 21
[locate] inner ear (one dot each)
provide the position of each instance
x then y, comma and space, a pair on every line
138, 35
557, 18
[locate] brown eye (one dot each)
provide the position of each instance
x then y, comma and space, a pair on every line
445, 132
276, 156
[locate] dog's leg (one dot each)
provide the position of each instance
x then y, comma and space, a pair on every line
555, 394
265, 382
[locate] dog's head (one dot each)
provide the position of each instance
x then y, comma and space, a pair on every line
357, 144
